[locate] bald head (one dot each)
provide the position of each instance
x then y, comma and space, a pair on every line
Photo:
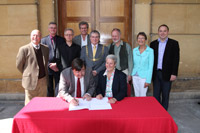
35, 36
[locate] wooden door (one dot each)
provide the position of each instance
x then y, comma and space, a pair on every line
102, 15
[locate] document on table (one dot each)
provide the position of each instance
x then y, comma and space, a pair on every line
94, 104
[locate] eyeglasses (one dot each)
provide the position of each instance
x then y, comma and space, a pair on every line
52, 28
83, 28
68, 34
95, 37
141, 38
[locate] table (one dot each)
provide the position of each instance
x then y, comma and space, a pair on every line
131, 115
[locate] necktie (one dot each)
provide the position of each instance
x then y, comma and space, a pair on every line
53, 42
94, 51
78, 91
37, 47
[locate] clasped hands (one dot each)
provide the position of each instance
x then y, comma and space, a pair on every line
53, 66
112, 100
75, 101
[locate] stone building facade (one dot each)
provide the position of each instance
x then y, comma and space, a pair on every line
20, 17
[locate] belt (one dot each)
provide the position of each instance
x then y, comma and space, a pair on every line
159, 69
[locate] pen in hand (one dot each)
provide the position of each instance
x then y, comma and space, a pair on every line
74, 102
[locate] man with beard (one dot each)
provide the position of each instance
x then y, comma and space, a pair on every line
123, 52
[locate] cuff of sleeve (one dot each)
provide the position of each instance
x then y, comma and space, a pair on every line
88, 94
115, 99
147, 81
69, 99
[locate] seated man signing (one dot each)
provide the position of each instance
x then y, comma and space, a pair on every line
111, 82
76, 81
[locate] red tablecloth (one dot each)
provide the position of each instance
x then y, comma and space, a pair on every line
131, 115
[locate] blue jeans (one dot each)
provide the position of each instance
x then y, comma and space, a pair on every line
161, 86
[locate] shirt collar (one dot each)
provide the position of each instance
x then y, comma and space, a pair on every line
121, 43
85, 36
164, 41
52, 36
145, 49
77, 78
35, 46
95, 45
105, 73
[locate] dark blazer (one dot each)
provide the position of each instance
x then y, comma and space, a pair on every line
119, 85
77, 40
52, 52
67, 83
170, 58
87, 56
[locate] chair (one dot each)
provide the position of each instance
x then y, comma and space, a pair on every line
128, 90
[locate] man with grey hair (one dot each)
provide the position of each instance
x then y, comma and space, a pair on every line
67, 51
94, 54
32, 61
123, 52
52, 41
82, 39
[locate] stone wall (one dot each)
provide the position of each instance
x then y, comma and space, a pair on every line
18, 19
182, 17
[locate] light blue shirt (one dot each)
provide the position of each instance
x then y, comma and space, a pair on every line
143, 63
109, 83
161, 50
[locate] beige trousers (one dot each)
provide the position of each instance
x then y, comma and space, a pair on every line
40, 90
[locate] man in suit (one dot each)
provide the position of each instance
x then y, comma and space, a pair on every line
82, 39
76, 81
94, 54
31, 61
52, 41
166, 62
123, 52
67, 51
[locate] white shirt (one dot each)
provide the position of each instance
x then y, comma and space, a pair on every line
83, 43
82, 86
35, 46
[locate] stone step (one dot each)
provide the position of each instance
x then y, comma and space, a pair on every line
12, 97
189, 94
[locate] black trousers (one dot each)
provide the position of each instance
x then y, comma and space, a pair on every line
163, 87
52, 90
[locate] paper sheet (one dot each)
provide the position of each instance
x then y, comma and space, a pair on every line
94, 104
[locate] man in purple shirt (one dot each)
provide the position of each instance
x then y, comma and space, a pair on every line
166, 62
52, 41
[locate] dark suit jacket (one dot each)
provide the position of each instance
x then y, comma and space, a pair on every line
26, 63
170, 58
52, 52
102, 52
77, 40
67, 83
119, 85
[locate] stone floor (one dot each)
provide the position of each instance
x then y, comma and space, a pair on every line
185, 112
186, 115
